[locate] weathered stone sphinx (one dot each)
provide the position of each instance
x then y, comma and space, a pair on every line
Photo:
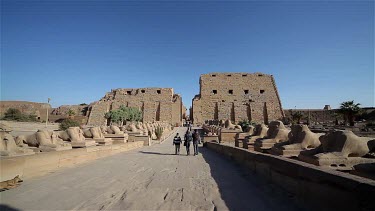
140, 128
228, 133
230, 126
27, 140
260, 131
115, 129
95, 134
45, 141
151, 130
210, 137
340, 150
118, 136
132, 131
210, 133
77, 138
8, 146
104, 129
240, 137
132, 128
144, 135
50, 141
276, 133
299, 139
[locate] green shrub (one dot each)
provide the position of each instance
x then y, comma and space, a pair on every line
16, 115
159, 132
124, 114
66, 123
245, 125
71, 112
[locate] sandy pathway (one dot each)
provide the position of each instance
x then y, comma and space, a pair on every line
150, 178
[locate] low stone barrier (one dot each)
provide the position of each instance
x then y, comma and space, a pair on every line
43, 163
314, 187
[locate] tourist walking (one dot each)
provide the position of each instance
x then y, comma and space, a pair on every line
177, 142
187, 140
196, 141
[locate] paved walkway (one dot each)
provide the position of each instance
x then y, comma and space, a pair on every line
150, 178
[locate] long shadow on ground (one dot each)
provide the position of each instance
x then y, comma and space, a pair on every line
4, 207
156, 153
243, 190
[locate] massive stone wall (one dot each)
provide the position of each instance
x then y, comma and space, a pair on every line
38, 109
237, 96
157, 104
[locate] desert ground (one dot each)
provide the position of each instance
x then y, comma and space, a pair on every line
25, 128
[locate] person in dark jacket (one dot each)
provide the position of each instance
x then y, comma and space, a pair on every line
188, 139
196, 141
177, 142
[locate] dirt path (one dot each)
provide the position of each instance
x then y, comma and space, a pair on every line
150, 178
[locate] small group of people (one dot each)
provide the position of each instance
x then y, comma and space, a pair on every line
188, 138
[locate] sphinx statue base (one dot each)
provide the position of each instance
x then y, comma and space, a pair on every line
17, 153
340, 150
117, 138
240, 137
264, 145
334, 160
89, 143
54, 149
104, 141
286, 150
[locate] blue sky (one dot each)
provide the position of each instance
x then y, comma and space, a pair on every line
76, 51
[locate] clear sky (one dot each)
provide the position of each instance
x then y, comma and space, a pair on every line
75, 51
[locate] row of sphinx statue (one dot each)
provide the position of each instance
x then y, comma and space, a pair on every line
337, 149
45, 141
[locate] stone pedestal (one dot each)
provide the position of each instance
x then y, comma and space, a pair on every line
20, 153
59, 148
146, 139
228, 136
102, 141
336, 162
285, 149
117, 138
285, 152
34, 149
83, 144
211, 138
132, 136
264, 145
247, 145
239, 139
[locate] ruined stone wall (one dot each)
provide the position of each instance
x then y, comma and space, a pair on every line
177, 110
156, 104
317, 116
237, 96
38, 109
79, 110
97, 112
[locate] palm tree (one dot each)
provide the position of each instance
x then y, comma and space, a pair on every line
349, 109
